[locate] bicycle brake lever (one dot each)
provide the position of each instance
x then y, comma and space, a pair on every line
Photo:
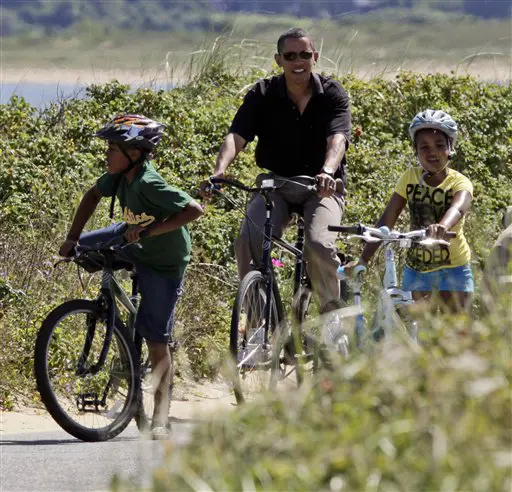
368, 238
212, 187
62, 260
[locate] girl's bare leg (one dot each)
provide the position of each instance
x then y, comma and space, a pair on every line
456, 302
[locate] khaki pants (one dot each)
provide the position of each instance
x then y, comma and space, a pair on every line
320, 244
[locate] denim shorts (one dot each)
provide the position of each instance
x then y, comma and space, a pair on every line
457, 279
159, 294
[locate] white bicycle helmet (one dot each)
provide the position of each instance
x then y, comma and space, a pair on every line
437, 120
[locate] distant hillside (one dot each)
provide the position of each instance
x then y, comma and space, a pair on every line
18, 16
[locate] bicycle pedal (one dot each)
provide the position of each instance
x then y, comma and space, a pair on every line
174, 345
88, 402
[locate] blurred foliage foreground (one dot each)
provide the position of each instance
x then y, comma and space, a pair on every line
400, 420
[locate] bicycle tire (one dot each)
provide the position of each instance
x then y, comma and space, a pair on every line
317, 351
300, 307
401, 322
250, 358
52, 370
144, 414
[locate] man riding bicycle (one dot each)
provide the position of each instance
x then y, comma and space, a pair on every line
302, 121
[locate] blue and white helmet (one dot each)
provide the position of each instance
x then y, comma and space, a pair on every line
437, 120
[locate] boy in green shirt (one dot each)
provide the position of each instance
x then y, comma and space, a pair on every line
154, 214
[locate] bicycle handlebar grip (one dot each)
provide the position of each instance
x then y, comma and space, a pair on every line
233, 182
450, 234
144, 233
346, 229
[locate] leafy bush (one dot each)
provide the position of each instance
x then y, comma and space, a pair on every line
48, 159
436, 418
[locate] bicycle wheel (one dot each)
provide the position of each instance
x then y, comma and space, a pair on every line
144, 415
91, 407
301, 343
321, 336
258, 366
406, 322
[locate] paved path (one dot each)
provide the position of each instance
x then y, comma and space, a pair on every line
36, 455
58, 462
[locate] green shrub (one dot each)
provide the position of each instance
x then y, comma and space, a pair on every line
435, 418
48, 159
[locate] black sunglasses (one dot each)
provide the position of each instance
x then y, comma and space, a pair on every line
293, 55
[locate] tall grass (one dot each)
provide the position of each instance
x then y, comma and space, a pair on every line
366, 46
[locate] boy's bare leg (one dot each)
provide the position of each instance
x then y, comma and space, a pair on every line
162, 367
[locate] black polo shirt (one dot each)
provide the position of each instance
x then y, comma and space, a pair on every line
291, 144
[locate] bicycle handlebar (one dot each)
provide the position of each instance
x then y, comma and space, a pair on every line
232, 182
266, 184
346, 229
383, 233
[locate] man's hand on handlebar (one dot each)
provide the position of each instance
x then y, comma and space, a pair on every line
325, 184
205, 187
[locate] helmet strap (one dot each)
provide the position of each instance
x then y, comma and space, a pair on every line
427, 174
132, 162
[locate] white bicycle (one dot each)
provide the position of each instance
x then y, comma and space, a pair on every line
393, 302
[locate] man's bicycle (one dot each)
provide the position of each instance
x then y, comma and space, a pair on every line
392, 302
264, 348
92, 368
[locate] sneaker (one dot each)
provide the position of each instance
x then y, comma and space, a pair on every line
160, 433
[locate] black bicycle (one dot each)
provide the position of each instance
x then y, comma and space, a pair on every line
265, 349
92, 368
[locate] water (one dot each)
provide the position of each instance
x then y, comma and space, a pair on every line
42, 94
39, 94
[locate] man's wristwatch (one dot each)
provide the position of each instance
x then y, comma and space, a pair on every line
328, 171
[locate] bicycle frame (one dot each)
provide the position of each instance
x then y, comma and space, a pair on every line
391, 296
110, 291
266, 263
356, 285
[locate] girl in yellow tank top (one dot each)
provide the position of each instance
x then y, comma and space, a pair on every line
438, 198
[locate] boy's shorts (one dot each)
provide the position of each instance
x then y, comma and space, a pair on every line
159, 294
457, 279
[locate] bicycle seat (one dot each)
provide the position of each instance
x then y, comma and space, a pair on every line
94, 261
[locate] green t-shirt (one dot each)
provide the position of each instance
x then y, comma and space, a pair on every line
148, 198
427, 205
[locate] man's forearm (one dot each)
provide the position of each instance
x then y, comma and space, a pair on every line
83, 213
336, 145
229, 149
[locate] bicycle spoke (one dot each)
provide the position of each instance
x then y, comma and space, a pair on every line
259, 363
90, 406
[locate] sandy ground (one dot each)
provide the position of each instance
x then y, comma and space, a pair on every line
10, 75
488, 69
200, 402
